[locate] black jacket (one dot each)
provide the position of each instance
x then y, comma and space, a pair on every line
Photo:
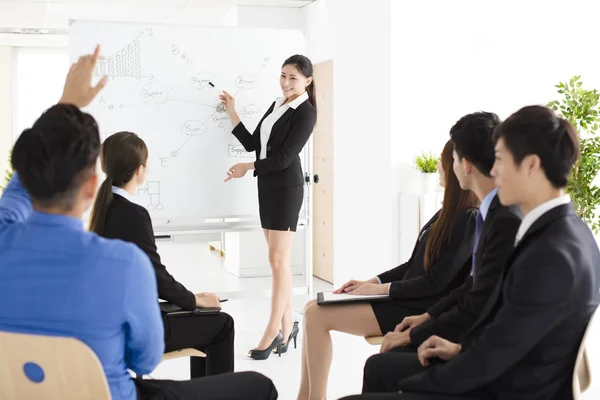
453, 316
130, 222
412, 283
524, 344
281, 167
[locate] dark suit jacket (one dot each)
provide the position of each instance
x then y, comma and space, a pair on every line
290, 133
130, 222
524, 343
410, 280
453, 316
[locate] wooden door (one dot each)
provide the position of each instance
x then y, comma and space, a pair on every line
323, 168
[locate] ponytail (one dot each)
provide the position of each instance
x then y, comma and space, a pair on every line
101, 206
312, 95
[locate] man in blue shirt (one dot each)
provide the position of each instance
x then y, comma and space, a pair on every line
58, 279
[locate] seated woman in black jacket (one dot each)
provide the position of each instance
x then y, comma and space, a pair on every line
440, 262
115, 216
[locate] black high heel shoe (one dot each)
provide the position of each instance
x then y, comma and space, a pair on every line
264, 354
293, 335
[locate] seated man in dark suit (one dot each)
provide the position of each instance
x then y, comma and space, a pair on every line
496, 227
525, 342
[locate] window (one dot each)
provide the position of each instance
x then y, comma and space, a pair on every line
38, 79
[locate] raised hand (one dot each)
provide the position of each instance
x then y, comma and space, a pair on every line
78, 89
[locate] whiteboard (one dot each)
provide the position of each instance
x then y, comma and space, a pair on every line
159, 87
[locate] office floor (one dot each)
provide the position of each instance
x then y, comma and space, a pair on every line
193, 264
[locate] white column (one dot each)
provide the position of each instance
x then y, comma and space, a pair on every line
363, 189
5, 107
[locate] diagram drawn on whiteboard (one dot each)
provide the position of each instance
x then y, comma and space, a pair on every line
125, 62
152, 190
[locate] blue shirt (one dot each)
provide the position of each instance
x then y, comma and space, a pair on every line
487, 201
57, 279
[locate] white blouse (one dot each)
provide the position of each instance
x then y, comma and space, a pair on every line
269, 121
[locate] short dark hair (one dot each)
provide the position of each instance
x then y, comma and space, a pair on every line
537, 130
472, 136
56, 155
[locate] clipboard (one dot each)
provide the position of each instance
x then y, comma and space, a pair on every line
325, 298
172, 309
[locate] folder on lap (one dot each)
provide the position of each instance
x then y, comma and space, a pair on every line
172, 309
324, 298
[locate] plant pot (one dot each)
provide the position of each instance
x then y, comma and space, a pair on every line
430, 182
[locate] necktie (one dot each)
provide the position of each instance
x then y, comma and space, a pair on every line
478, 227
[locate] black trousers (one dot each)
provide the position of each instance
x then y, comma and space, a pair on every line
411, 396
212, 334
383, 372
241, 385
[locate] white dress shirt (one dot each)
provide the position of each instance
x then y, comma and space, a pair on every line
537, 212
269, 121
122, 192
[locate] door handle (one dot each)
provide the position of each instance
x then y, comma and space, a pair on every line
316, 178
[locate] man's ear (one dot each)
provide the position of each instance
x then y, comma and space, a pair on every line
90, 187
531, 163
467, 166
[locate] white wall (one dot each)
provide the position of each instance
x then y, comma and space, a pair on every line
346, 32
452, 58
271, 17
5, 107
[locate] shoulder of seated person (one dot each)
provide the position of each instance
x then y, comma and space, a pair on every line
118, 251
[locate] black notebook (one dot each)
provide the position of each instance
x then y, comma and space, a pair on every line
172, 309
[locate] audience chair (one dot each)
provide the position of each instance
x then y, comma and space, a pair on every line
49, 368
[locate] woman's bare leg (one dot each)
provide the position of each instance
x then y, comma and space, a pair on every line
317, 351
280, 244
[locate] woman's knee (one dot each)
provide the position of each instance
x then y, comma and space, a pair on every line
277, 259
313, 315
228, 322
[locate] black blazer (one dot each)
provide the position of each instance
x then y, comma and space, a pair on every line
524, 343
411, 282
130, 222
454, 315
281, 167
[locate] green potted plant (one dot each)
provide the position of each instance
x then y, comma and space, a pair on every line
581, 108
426, 163
7, 174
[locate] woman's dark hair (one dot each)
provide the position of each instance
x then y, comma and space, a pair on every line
456, 201
121, 156
57, 155
538, 130
305, 67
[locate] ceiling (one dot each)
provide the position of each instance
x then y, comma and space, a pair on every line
55, 14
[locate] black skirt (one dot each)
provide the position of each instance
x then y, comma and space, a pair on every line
279, 207
390, 313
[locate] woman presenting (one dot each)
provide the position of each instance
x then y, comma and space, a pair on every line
278, 140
